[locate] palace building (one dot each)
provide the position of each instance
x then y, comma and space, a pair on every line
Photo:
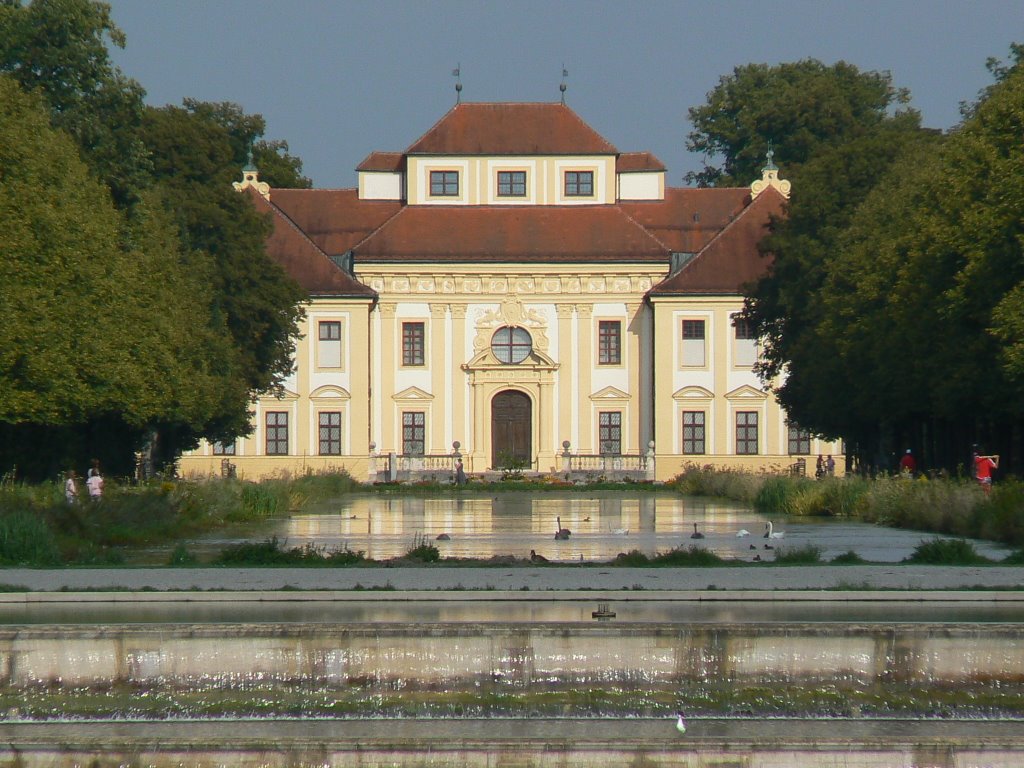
514, 291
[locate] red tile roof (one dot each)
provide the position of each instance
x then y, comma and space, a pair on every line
309, 266
511, 129
731, 260
591, 233
687, 219
334, 219
634, 162
383, 161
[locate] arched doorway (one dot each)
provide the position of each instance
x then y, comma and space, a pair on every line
511, 428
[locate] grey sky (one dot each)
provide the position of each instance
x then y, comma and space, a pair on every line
338, 79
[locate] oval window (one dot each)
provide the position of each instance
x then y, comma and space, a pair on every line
511, 345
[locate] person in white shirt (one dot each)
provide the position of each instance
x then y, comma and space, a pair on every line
95, 486
71, 487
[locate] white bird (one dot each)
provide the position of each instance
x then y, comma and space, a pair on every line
742, 532
681, 724
771, 533
621, 532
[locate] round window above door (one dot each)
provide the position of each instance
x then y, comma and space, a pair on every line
511, 344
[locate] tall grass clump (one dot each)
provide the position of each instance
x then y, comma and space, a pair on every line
808, 554
779, 495
727, 484
801, 496
25, 539
691, 556
946, 552
939, 506
1000, 515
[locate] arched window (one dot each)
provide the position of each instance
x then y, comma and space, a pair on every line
511, 345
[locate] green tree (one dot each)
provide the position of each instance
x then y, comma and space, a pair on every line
59, 47
196, 153
101, 336
800, 108
916, 329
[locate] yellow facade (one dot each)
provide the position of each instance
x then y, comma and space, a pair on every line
493, 348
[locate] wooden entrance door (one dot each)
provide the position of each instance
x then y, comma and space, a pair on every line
511, 428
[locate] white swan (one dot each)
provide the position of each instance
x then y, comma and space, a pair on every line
771, 533
620, 532
742, 532
681, 724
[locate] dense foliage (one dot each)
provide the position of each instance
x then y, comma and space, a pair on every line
891, 312
139, 301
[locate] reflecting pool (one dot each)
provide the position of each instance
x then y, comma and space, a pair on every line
601, 524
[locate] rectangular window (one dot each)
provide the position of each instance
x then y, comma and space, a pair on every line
799, 441
609, 432
579, 183
746, 433
694, 350
277, 433
511, 183
414, 433
328, 353
693, 432
746, 342
330, 433
413, 343
444, 183
224, 449
609, 342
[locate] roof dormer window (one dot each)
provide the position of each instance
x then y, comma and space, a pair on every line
444, 183
579, 183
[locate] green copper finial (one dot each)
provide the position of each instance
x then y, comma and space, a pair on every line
770, 166
249, 166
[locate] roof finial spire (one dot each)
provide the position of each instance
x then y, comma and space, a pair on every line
770, 178
562, 86
457, 74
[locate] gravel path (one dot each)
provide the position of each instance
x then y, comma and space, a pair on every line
509, 578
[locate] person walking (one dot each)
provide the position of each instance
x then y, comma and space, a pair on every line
983, 466
908, 465
95, 484
71, 487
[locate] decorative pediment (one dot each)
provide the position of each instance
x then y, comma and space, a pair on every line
511, 313
278, 396
693, 393
536, 360
746, 392
330, 392
412, 394
609, 393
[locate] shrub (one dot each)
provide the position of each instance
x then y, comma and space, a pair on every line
848, 558
422, 551
634, 558
181, 556
691, 556
728, 484
946, 552
25, 539
808, 554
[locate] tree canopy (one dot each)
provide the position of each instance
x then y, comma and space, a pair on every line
894, 321
163, 311
799, 108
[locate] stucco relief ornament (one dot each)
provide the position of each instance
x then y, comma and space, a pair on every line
511, 313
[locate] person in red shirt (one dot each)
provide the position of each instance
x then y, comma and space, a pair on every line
907, 463
983, 466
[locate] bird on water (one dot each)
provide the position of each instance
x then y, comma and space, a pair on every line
771, 533
680, 722
696, 534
